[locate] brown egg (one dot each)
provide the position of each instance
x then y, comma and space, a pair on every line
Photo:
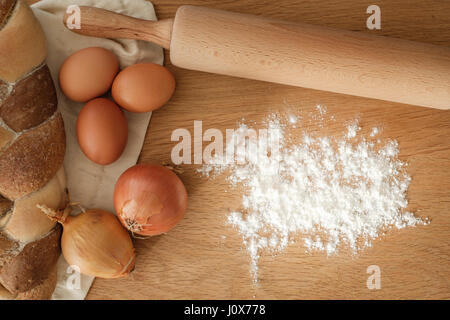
102, 131
143, 87
88, 73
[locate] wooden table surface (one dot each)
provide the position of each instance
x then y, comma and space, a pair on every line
202, 258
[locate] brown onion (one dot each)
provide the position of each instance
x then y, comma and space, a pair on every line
95, 242
149, 199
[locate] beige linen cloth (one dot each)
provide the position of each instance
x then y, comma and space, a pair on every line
90, 184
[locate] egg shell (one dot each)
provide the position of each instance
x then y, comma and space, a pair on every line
143, 87
102, 131
88, 73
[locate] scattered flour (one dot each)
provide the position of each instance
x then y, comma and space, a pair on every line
352, 130
330, 192
321, 109
293, 119
374, 132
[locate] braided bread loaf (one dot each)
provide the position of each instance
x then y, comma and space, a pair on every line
32, 147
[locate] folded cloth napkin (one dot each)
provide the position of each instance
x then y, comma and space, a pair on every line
90, 184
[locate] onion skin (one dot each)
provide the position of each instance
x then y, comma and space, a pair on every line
96, 242
149, 199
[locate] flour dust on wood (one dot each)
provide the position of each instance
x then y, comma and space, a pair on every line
330, 192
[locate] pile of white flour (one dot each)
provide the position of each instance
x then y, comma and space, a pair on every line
329, 192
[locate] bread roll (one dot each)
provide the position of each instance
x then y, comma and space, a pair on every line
32, 148
27, 222
22, 42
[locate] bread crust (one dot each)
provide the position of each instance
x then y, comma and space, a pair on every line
32, 159
31, 101
32, 266
27, 222
5, 207
8, 249
6, 136
6, 7
5, 294
43, 291
22, 44
32, 148
4, 89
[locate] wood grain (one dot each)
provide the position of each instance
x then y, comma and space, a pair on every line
202, 258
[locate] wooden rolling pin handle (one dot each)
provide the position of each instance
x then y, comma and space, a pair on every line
101, 23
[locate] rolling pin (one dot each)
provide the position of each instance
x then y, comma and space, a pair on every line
294, 54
